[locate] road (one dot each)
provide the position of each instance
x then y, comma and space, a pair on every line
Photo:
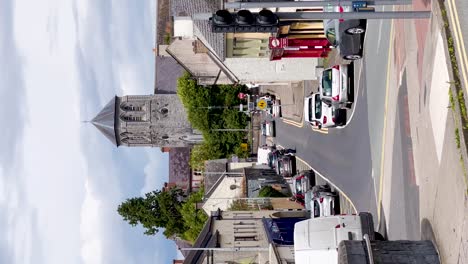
348, 156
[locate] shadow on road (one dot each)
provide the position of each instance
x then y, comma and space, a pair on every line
427, 233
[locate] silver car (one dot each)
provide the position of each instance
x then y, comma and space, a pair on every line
320, 201
335, 86
268, 128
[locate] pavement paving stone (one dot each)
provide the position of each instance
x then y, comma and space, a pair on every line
443, 206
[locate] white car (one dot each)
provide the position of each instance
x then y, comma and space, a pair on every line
268, 128
320, 114
320, 201
335, 86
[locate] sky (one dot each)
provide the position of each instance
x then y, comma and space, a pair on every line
60, 179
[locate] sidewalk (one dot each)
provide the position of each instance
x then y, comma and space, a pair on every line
424, 126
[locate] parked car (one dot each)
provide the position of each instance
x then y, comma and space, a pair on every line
302, 182
268, 128
276, 153
321, 114
263, 155
276, 109
347, 35
320, 201
335, 86
286, 165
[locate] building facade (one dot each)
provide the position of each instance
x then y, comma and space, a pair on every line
157, 120
246, 237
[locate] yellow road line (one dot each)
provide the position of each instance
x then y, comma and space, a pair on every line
459, 40
390, 54
329, 182
322, 130
293, 123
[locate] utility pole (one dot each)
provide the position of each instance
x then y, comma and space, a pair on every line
337, 15
297, 4
354, 15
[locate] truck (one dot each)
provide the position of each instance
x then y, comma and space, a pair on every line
351, 239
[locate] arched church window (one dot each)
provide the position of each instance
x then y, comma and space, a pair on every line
124, 140
131, 118
130, 107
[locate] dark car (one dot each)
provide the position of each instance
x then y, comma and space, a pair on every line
276, 153
347, 36
286, 165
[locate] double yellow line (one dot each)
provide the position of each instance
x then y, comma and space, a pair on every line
292, 123
459, 41
301, 124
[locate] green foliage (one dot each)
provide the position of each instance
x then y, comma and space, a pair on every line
166, 210
268, 191
210, 108
457, 137
156, 210
193, 218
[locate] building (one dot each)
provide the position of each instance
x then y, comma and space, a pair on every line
246, 237
157, 120
226, 58
240, 182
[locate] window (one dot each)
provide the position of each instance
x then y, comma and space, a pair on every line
165, 137
327, 78
238, 46
331, 34
245, 238
318, 107
164, 111
131, 118
130, 107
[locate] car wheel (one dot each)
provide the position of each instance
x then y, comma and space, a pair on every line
378, 236
355, 30
352, 57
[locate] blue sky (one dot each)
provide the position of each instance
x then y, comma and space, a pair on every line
60, 180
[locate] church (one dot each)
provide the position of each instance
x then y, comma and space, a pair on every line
157, 120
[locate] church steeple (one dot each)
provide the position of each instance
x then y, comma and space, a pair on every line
105, 121
157, 120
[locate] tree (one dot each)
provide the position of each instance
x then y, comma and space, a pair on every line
194, 218
154, 211
210, 108
268, 191
169, 210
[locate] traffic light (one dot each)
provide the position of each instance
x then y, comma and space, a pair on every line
244, 21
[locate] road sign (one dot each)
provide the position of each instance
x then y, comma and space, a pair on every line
244, 146
262, 104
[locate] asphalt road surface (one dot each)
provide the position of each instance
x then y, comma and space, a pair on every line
348, 156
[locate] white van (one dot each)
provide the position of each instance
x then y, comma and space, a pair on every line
262, 155
316, 240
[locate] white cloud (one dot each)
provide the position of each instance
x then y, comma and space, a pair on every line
60, 181
155, 172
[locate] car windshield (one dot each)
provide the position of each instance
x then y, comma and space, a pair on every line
318, 107
316, 209
327, 82
298, 186
331, 33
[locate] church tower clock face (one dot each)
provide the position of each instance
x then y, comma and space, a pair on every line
157, 120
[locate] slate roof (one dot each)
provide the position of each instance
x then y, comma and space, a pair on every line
105, 121
210, 181
179, 168
167, 71
202, 28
